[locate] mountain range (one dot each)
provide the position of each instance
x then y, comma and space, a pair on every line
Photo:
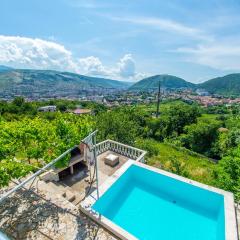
226, 85
50, 83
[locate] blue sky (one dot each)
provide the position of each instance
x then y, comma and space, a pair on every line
125, 39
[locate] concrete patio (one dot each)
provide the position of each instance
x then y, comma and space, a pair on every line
79, 181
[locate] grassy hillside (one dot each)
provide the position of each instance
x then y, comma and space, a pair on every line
198, 168
227, 85
167, 81
164, 105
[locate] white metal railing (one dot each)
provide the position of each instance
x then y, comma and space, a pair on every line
125, 150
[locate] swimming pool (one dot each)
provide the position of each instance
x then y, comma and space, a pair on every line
151, 205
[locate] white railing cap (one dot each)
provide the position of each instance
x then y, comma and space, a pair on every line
137, 150
122, 144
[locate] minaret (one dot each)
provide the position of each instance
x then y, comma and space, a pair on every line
158, 99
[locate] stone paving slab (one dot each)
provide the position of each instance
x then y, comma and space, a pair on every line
30, 215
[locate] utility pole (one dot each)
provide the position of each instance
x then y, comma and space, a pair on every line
158, 99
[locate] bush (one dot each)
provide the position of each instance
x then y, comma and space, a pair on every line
148, 145
120, 124
200, 137
228, 174
172, 121
177, 167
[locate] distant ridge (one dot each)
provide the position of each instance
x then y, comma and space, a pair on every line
50, 83
28, 82
226, 85
167, 81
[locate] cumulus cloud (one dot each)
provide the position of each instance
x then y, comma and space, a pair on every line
23, 52
93, 66
127, 66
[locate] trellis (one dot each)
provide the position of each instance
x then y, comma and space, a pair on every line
90, 141
91, 137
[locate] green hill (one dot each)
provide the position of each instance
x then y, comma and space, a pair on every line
167, 81
41, 82
226, 85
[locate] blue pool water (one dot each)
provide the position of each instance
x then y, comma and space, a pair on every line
150, 205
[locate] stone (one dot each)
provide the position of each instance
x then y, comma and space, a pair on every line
34, 218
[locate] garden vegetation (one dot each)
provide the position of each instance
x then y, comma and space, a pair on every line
201, 144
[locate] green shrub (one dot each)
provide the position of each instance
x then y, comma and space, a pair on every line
148, 145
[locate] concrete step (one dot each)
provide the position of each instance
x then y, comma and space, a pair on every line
65, 191
69, 196
54, 188
51, 193
78, 199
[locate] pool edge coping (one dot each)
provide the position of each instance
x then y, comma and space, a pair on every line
86, 205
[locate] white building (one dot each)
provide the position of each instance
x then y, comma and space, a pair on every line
50, 108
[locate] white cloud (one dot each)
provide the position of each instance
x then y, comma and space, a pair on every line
93, 66
125, 69
127, 66
222, 56
165, 25
23, 52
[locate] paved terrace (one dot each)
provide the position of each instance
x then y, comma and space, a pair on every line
40, 214
79, 181
43, 213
